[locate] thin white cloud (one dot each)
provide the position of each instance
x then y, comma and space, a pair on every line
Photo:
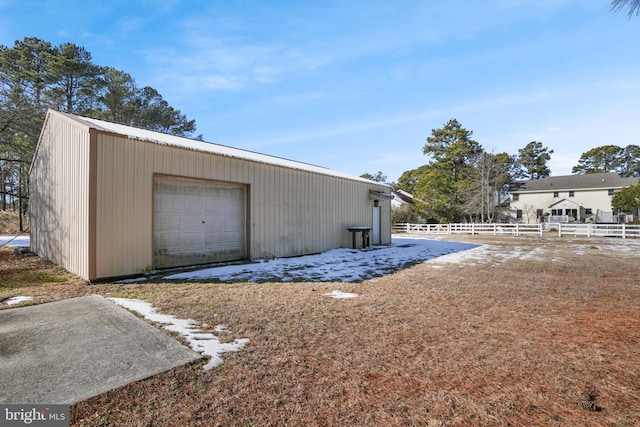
227, 63
239, 59
497, 102
214, 82
130, 24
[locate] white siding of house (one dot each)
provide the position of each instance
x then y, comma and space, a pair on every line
588, 198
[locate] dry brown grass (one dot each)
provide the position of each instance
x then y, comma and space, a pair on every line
543, 340
10, 223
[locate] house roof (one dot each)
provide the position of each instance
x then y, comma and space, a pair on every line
402, 196
202, 146
563, 202
574, 182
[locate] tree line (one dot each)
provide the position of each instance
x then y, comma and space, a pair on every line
463, 182
36, 76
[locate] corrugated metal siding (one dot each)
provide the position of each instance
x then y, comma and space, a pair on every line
59, 205
97, 223
290, 212
124, 206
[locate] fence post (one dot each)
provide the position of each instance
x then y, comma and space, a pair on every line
559, 229
624, 230
540, 229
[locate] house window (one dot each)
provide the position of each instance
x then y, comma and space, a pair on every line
556, 194
556, 211
519, 214
572, 193
539, 212
588, 211
611, 192
516, 197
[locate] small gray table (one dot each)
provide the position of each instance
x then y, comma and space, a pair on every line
365, 235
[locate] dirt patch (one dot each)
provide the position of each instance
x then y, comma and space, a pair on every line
10, 222
532, 331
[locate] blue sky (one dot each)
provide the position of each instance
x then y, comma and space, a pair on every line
357, 86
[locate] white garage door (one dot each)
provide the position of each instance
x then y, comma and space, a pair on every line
197, 222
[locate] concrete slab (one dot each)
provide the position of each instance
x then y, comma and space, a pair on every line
67, 351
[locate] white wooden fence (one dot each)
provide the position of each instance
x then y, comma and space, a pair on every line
493, 229
572, 229
597, 230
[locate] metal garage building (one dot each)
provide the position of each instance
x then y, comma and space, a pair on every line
109, 201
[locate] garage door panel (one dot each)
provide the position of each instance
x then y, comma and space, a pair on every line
171, 203
212, 206
229, 240
231, 223
167, 223
168, 187
169, 241
193, 223
193, 189
192, 240
230, 205
191, 203
213, 224
212, 192
198, 222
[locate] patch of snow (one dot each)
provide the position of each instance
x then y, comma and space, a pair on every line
533, 253
341, 295
476, 253
17, 300
201, 342
340, 265
630, 246
133, 280
15, 242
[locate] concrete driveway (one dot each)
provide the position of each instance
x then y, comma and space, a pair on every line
67, 351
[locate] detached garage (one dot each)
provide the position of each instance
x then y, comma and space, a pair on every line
109, 201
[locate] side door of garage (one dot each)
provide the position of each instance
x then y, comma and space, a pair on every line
198, 221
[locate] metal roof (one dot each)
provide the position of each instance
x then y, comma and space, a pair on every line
203, 146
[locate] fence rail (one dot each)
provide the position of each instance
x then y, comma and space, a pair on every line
571, 229
598, 230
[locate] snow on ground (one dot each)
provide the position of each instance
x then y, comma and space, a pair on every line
21, 241
356, 265
342, 265
199, 341
341, 295
17, 300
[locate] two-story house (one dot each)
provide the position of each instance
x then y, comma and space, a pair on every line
565, 198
